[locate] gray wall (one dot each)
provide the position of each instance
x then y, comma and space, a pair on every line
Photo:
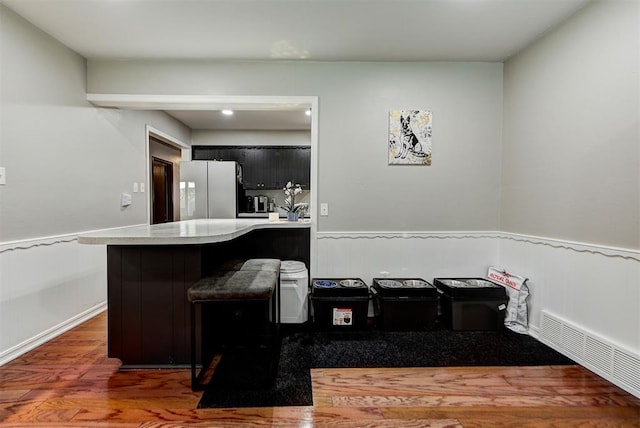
67, 162
571, 136
460, 191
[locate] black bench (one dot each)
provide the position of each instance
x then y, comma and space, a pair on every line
238, 309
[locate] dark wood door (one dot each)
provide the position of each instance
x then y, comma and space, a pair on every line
162, 182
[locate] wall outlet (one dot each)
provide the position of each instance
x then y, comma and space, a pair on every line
141, 187
125, 199
324, 209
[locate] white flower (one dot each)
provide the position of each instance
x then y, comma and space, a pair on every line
290, 192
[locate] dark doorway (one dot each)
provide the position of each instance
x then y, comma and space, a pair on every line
162, 182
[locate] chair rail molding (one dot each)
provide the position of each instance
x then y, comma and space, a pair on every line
604, 250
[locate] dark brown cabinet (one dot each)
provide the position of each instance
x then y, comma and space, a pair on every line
220, 153
294, 165
264, 167
260, 168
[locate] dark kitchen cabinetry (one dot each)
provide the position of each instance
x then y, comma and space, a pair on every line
294, 165
303, 167
264, 167
220, 153
260, 168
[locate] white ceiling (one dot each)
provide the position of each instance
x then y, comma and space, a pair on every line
303, 30
290, 120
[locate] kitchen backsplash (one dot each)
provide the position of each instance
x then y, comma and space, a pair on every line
278, 195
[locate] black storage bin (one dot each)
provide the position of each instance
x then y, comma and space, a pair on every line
471, 303
339, 304
405, 304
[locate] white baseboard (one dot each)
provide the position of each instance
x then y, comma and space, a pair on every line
45, 336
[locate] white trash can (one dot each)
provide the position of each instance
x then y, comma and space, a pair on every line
294, 288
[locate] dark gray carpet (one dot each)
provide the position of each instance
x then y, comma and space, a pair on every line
239, 380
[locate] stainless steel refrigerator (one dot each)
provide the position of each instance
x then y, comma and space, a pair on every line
210, 189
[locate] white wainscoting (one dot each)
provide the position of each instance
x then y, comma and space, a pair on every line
593, 288
593, 294
47, 286
426, 255
405, 254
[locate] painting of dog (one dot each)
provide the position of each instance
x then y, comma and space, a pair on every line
410, 137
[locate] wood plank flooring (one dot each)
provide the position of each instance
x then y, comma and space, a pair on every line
69, 382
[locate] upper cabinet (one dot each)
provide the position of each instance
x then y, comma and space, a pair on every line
220, 153
294, 164
264, 167
260, 168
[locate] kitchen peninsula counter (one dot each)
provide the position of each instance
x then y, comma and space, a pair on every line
151, 267
200, 231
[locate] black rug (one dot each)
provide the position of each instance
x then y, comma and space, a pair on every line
239, 380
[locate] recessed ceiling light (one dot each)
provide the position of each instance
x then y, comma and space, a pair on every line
307, 112
227, 112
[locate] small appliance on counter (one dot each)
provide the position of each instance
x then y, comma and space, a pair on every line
260, 203
249, 204
339, 304
472, 303
405, 304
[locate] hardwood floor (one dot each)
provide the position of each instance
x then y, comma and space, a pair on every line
69, 382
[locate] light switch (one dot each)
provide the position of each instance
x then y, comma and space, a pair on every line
135, 187
3, 175
141, 187
324, 209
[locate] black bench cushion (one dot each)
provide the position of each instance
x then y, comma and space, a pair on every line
237, 285
231, 264
272, 265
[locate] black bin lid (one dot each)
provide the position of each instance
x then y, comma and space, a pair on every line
338, 287
399, 287
476, 288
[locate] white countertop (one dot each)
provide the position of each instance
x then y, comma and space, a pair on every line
259, 215
201, 231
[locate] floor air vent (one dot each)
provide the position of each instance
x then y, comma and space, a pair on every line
598, 354
573, 341
617, 365
626, 367
551, 329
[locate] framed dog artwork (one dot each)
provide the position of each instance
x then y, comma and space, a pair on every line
409, 137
